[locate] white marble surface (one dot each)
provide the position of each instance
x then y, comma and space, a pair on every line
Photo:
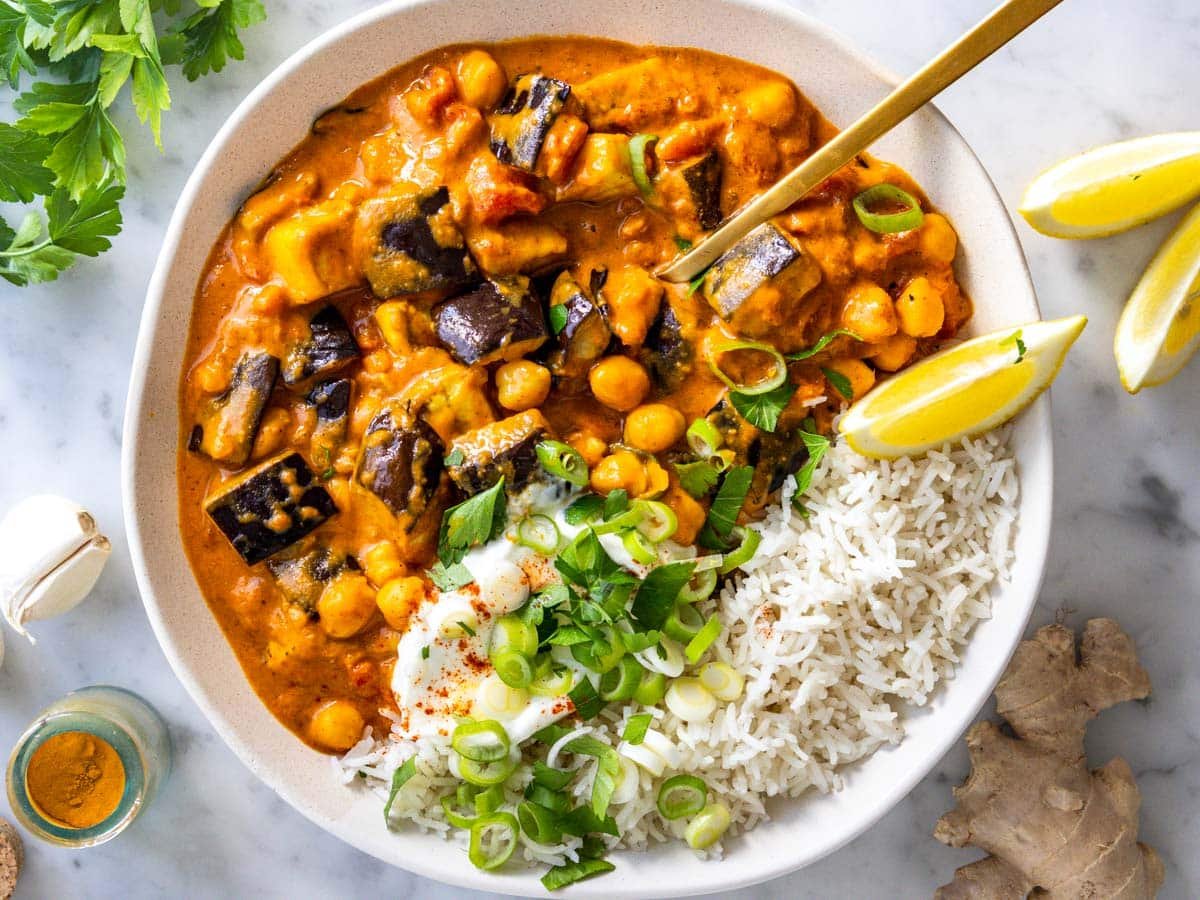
1128, 512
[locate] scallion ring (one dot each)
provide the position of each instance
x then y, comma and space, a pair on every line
493, 840
563, 461
722, 680
538, 823
682, 795
639, 146
651, 688
489, 800
557, 683
514, 633
907, 219
683, 623
555, 801
722, 460
483, 741
513, 668
630, 518
748, 539
703, 640
539, 533
639, 548
704, 438
707, 827
659, 521
619, 684
586, 654
486, 774
453, 816
777, 376
700, 587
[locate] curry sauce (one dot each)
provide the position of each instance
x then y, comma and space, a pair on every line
456, 264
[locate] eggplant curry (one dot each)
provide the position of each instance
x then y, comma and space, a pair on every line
450, 282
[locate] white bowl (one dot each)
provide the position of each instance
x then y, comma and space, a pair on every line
274, 118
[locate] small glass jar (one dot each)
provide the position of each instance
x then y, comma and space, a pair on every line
116, 716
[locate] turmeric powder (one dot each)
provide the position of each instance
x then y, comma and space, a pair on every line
75, 779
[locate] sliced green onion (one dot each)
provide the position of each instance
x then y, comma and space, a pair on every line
563, 461
483, 741
629, 518
707, 827
639, 547
400, 778
555, 801
585, 654
639, 145
778, 373
619, 684
659, 521
569, 873
514, 633
547, 776
486, 774
749, 539
888, 223
700, 587
682, 795
683, 623
723, 460
489, 800
703, 639
539, 533
650, 689
493, 840
722, 680
465, 794
636, 727
514, 668
554, 684
690, 700
704, 438
453, 816
539, 823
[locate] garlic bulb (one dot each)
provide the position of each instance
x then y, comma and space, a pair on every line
51, 554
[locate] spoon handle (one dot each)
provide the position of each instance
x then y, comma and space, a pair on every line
1006, 22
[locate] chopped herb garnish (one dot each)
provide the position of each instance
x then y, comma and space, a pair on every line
425, 652
587, 507
824, 341
1017, 340
558, 318
450, 578
551, 734
328, 473
608, 769
400, 778
682, 244
696, 283
616, 503
465, 627
554, 779
817, 446
840, 382
455, 457
569, 636
587, 702
697, 478
636, 728
473, 522
569, 873
763, 410
722, 516
582, 820
656, 597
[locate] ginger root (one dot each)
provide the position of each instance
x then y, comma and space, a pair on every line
1050, 825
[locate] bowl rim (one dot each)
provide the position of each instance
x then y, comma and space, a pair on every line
138, 408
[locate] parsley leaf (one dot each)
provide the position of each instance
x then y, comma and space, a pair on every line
22, 175
587, 507
473, 522
608, 769
655, 599
455, 457
558, 318
210, 36
723, 513
1017, 340
636, 728
817, 446
587, 702
616, 503
569, 873
400, 778
824, 341
682, 244
763, 410
697, 478
840, 382
72, 229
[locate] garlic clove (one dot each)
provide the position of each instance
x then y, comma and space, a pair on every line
51, 554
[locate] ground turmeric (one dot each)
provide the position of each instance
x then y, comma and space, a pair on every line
75, 779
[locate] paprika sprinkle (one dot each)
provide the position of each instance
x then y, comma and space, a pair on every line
75, 779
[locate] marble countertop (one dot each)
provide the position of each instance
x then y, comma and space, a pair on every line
1126, 542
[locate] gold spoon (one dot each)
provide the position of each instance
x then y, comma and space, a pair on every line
1004, 24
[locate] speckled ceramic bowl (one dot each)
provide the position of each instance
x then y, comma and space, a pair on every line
268, 123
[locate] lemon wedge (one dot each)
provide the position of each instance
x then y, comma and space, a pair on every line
1116, 187
1160, 327
967, 389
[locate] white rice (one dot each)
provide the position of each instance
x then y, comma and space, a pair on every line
838, 621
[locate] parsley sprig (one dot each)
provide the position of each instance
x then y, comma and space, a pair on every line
65, 146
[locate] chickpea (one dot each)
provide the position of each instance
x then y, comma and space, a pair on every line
654, 427
688, 511
938, 240
920, 309
382, 563
377, 361
620, 470
337, 725
894, 352
858, 373
590, 447
272, 432
346, 605
619, 383
481, 80
870, 313
399, 599
522, 385
772, 103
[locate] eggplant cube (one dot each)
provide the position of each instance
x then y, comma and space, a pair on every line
522, 120
301, 579
401, 464
408, 243
758, 283
665, 352
582, 332
330, 348
702, 180
229, 423
332, 402
499, 320
506, 448
270, 507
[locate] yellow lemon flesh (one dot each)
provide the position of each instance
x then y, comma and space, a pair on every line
1116, 187
967, 389
1160, 327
